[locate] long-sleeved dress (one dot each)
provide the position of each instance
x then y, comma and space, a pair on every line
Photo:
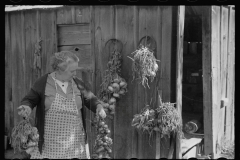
63, 134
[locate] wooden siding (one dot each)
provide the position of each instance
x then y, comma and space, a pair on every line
89, 28
128, 24
218, 63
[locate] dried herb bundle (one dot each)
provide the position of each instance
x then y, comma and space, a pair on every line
144, 65
24, 136
165, 119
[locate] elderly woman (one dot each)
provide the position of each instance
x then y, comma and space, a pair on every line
61, 98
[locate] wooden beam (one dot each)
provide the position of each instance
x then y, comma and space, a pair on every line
179, 71
207, 79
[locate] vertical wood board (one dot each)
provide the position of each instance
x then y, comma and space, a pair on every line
8, 70
104, 19
82, 14
47, 35
207, 79
165, 67
179, 70
74, 34
122, 125
230, 77
17, 83
223, 64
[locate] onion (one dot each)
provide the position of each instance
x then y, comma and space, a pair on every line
112, 100
106, 105
110, 88
105, 144
100, 142
101, 123
115, 95
155, 67
112, 107
109, 151
108, 131
116, 80
112, 112
116, 86
152, 73
105, 138
122, 91
100, 156
122, 84
99, 149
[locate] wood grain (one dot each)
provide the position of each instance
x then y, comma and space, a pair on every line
230, 76
165, 67
122, 124
74, 34
223, 69
8, 74
104, 24
207, 81
216, 88
179, 74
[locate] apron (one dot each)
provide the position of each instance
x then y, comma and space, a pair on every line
64, 136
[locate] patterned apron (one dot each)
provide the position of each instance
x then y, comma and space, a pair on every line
64, 136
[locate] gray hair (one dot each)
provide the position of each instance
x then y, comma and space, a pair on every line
62, 59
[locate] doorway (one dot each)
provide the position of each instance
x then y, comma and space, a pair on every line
192, 80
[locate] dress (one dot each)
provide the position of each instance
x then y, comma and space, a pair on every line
64, 136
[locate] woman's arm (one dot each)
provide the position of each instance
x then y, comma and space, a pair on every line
31, 99
33, 96
90, 100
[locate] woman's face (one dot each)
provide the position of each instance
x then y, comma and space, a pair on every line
70, 72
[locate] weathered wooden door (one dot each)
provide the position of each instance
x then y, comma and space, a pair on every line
218, 76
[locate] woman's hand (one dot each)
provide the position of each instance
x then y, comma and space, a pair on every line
24, 111
30, 149
100, 111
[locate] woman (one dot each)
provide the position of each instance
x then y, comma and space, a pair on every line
60, 98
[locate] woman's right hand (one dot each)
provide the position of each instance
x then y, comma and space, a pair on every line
24, 111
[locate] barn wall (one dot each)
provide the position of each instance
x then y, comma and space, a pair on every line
219, 82
25, 29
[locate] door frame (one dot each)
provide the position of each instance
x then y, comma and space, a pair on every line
179, 71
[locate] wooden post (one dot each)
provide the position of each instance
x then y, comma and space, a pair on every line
207, 78
179, 71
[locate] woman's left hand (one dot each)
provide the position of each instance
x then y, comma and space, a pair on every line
100, 111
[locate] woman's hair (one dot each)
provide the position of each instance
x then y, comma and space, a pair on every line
62, 59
